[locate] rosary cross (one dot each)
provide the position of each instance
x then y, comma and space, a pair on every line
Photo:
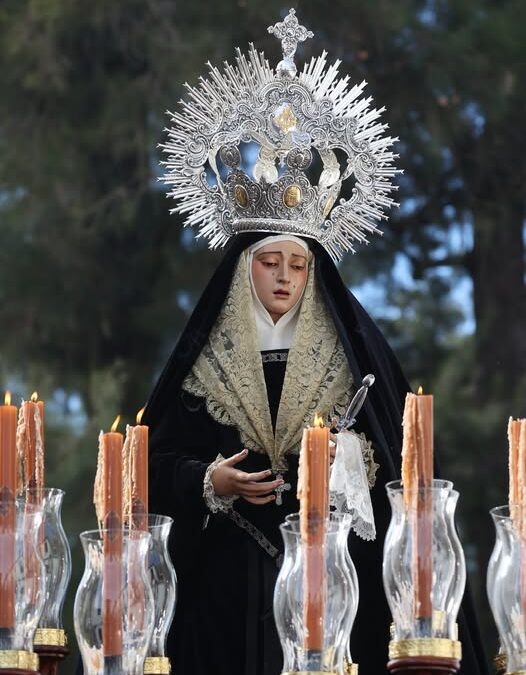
280, 489
290, 32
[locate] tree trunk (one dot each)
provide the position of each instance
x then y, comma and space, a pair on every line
499, 293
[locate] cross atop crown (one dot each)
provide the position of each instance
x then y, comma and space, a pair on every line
290, 32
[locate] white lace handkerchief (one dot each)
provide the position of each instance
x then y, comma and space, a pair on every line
349, 487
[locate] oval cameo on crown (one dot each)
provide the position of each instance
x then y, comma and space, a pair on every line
241, 196
292, 196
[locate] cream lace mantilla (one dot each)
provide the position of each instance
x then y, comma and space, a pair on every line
229, 373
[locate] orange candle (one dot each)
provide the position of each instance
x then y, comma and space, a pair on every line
135, 488
517, 468
8, 415
313, 494
417, 476
32, 451
112, 459
517, 490
111, 445
8, 475
30, 446
136, 473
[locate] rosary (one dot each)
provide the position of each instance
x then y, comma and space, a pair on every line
280, 489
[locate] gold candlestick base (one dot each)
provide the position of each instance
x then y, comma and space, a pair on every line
18, 660
436, 647
54, 637
424, 656
157, 665
51, 646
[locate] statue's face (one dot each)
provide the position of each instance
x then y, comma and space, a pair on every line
279, 272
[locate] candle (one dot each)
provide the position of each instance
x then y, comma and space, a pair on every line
417, 478
8, 476
517, 491
521, 433
108, 502
112, 462
313, 494
517, 466
135, 461
135, 495
30, 441
8, 464
514, 495
30, 448
517, 472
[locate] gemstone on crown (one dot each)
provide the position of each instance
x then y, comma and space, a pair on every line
284, 118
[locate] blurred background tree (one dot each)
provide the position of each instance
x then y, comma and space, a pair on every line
96, 279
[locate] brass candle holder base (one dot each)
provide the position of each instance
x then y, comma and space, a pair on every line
157, 665
424, 656
17, 662
51, 646
436, 647
54, 637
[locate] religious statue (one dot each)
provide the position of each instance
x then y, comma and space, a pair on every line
275, 338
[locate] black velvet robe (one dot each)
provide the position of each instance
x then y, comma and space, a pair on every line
224, 621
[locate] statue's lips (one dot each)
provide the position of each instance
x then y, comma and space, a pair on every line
281, 294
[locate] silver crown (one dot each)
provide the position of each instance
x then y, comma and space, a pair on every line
283, 120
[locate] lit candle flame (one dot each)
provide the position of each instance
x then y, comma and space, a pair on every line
7, 399
116, 423
34, 397
318, 421
139, 415
420, 390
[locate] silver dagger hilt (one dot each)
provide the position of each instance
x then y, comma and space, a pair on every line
349, 419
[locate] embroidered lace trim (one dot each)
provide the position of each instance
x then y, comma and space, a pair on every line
229, 372
371, 467
214, 502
